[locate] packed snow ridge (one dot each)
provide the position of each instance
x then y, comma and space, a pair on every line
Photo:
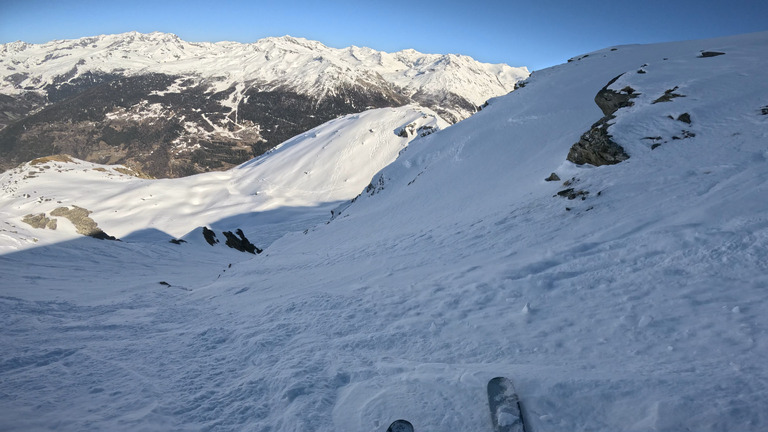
624, 297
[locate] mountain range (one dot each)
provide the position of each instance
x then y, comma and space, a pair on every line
170, 108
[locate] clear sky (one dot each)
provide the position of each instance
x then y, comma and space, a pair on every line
535, 33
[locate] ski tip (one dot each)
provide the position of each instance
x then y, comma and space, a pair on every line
501, 382
400, 426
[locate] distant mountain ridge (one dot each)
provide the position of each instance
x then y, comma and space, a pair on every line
173, 108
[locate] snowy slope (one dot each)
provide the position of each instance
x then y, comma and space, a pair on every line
302, 65
640, 307
312, 172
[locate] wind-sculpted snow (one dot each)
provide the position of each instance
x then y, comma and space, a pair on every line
640, 307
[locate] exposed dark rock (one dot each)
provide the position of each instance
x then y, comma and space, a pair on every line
668, 96
240, 242
372, 189
705, 54
426, 130
764, 110
406, 131
685, 118
578, 58
210, 236
164, 283
641, 71
177, 241
595, 147
101, 235
572, 193
685, 134
656, 144
552, 177
611, 101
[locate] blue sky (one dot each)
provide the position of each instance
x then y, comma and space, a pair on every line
537, 33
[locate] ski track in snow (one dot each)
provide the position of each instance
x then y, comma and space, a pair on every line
642, 308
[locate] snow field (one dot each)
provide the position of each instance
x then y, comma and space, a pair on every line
638, 308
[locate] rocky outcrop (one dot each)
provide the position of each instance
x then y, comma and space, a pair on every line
609, 101
209, 236
240, 242
40, 221
685, 118
707, 54
413, 129
236, 240
668, 96
77, 215
82, 222
595, 147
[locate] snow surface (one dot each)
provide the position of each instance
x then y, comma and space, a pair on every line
641, 307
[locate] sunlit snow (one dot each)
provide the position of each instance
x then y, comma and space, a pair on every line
640, 307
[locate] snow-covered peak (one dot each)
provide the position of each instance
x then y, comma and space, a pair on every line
288, 41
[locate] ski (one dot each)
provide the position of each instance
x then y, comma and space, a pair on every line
400, 426
506, 414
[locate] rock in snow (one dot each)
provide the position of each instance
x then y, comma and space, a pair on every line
649, 295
